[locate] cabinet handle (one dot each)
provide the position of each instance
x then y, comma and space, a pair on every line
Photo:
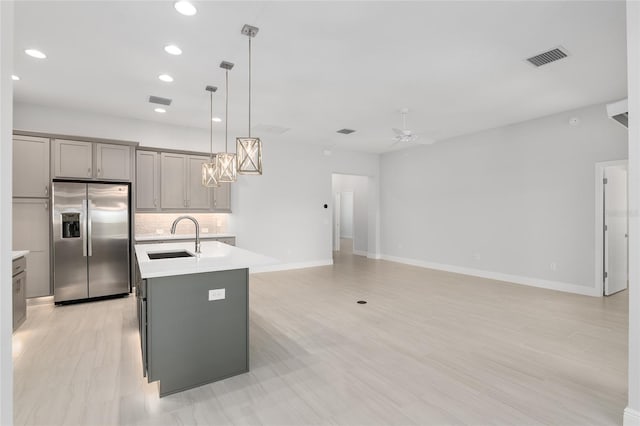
155, 203
46, 190
89, 171
99, 172
46, 205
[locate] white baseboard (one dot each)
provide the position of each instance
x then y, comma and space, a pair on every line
359, 252
376, 256
290, 266
631, 417
498, 276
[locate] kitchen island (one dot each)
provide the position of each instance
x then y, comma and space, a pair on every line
193, 312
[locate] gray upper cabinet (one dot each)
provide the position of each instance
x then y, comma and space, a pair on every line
30, 167
176, 179
75, 159
113, 162
147, 180
222, 198
72, 159
173, 189
198, 196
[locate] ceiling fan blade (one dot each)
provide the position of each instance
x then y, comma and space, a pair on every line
398, 132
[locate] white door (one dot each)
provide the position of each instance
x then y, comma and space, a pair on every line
336, 222
615, 230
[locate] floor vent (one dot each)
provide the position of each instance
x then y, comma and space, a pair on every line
159, 100
346, 131
548, 57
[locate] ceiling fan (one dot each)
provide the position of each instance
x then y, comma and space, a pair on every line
406, 135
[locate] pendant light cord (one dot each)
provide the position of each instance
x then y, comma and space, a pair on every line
211, 129
249, 86
226, 112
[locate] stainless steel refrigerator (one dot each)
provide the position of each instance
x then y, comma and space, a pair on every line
90, 240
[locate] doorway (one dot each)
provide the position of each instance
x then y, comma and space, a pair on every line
350, 230
612, 270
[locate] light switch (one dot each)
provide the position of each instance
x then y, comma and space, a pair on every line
217, 294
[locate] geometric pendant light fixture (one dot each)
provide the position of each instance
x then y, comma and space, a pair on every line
209, 170
249, 149
226, 161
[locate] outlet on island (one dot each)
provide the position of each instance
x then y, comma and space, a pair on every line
217, 294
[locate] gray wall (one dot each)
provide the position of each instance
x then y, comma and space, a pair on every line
509, 201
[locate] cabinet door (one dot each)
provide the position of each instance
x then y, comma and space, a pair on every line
30, 167
198, 196
31, 232
113, 162
72, 159
173, 172
222, 197
147, 180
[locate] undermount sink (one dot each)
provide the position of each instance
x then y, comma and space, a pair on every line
169, 254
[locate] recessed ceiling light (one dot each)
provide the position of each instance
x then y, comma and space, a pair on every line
166, 78
15, 78
172, 49
216, 119
160, 110
185, 7
35, 53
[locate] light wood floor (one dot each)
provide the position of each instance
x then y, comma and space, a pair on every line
429, 348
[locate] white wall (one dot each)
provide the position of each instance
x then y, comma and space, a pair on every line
504, 203
346, 215
279, 214
6, 287
632, 412
359, 186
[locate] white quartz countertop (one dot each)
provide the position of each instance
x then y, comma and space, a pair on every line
215, 256
166, 237
18, 254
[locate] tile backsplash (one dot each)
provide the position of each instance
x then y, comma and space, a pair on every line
160, 223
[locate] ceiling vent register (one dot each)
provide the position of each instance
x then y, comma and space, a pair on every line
160, 101
346, 131
548, 57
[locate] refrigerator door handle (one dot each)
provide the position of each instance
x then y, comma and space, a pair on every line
83, 228
89, 228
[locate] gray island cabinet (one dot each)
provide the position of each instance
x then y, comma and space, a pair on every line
193, 313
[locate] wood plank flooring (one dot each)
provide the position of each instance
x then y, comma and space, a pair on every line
429, 348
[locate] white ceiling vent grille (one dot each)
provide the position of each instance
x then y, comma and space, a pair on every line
160, 101
548, 57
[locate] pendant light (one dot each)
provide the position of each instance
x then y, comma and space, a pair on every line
226, 161
209, 173
248, 149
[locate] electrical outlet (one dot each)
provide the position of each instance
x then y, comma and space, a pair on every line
553, 266
217, 294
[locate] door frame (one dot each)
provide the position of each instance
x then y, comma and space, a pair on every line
599, 222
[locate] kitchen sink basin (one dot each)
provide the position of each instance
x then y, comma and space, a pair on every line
169, 254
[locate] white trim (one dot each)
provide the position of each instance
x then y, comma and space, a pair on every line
290, 266
631, 417
598, 233
376, 256
360, 253
498, 276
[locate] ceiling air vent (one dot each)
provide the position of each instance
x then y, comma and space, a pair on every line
346, 131
159, 100
548, 57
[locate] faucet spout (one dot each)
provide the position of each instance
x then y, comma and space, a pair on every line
195, 222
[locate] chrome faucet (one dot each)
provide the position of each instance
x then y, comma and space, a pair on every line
195, 222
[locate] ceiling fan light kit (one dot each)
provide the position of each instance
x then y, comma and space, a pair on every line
249, 149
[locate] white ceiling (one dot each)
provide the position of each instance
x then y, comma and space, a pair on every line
321, 66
